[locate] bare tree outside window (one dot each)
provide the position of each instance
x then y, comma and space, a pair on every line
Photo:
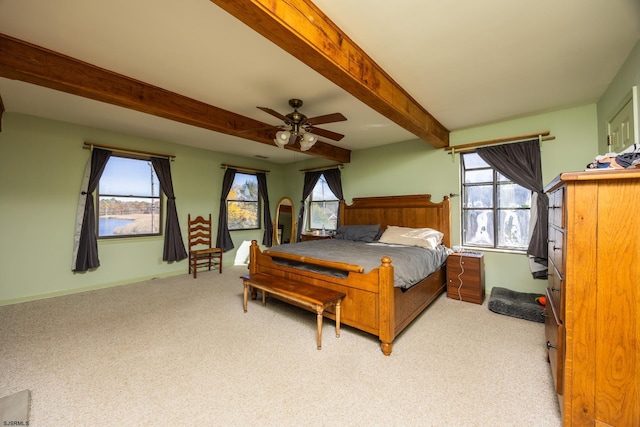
323, 207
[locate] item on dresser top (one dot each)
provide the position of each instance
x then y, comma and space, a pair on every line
629, 158
522, 305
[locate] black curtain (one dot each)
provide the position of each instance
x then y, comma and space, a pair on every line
521, 163
224, 241
310, 180
88, 245
334, 181
173, 243
267, 239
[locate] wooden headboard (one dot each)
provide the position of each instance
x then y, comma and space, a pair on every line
416, 211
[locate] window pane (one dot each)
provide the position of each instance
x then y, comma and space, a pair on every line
324, 215
478, 227
495, 210
502, 177
513, 196
242, 215
128, 199
121, 216
478, 196
243, 207
473, 161
245, 187
321, 191
323, 207
478, 176
513, 228
129, 177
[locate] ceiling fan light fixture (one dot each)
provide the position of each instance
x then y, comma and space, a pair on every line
282, 138
297, 127
307, 141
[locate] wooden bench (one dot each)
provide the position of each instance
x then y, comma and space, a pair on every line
311, 297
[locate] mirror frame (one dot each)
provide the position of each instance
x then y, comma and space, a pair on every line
284, 201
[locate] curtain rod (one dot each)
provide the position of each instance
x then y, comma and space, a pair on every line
89, 145
337, 165
242, 168
543, 136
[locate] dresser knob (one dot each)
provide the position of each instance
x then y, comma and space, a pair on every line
549, 345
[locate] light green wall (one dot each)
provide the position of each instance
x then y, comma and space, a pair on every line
414, 167
610, 103
41, 167
42, 162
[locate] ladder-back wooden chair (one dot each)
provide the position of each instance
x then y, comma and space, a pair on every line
201, 252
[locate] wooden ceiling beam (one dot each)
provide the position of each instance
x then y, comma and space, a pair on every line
304, 31
20, 60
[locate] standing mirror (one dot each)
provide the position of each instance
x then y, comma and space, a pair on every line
284, 225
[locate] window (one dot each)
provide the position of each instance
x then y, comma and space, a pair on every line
128, 199
495, 210
323, 207
243, 203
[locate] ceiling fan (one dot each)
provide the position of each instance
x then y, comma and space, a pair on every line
297, 126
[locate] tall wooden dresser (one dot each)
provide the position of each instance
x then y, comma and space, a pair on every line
593, 310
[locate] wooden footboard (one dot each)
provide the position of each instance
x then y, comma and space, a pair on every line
372, 303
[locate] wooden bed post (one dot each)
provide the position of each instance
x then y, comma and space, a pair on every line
254, 250
386, 306
253, 257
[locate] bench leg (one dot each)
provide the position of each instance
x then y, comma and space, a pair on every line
320, 310
244, 298
338, 318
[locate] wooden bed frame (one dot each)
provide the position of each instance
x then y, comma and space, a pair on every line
372, 304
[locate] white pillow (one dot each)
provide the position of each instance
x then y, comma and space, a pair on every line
422, 237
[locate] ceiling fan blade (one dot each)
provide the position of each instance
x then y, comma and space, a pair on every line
326, 133
327, 118
274, 113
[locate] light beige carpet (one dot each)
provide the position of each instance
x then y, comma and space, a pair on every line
181, 352
14, 409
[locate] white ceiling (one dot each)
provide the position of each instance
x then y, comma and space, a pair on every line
467, 62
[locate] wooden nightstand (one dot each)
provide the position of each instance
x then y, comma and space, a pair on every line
465, 277
311, 236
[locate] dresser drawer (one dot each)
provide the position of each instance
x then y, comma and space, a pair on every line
555, 287
556, 203
556, 248
554, 333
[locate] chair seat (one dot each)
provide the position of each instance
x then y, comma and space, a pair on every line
198, 252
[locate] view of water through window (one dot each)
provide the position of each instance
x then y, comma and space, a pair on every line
128, 198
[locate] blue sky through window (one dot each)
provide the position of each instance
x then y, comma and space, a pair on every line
133, 177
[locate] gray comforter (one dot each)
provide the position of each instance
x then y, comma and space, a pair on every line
411, 264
